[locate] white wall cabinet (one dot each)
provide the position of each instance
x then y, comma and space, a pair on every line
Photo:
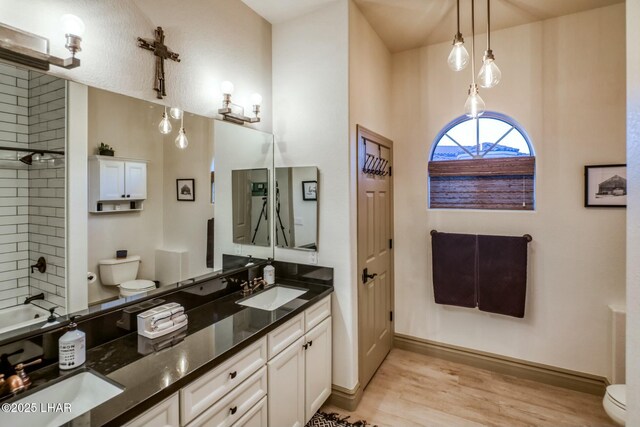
164, 414
116, 184
300, 375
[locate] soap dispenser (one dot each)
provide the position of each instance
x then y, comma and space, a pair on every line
269, 273
72, 351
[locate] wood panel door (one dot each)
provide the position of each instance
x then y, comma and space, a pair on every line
375, 253
241, 211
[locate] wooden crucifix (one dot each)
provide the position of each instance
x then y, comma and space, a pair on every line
162, 52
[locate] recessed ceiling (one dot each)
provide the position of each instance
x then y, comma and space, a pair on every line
408, 24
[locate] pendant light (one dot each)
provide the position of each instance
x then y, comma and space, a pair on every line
165, 125
474, 107
459, 57
176, 113
490, 74
181, 140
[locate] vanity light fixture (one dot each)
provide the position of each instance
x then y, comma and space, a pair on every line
32, 50
165, 125
490, 74
459, 57
181, 140
235, 113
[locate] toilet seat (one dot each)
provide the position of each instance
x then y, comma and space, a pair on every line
615, 403
134, 287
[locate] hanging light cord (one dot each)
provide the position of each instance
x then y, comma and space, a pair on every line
473, 44
458, 14
488, 24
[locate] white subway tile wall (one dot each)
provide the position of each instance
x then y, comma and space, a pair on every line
47, 108
32, 198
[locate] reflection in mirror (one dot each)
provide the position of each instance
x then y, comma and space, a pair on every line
151, 198
32, 196
296, 208
250, 191
244, 164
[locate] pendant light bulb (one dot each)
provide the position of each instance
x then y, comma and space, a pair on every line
489, 74
474, 107
165, 125
459, 57
181, 140
176, 113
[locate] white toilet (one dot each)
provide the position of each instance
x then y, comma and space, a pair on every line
615, 403
122, 273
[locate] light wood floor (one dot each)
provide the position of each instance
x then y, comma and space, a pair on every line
412, 389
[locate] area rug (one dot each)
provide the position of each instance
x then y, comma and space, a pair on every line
322, 419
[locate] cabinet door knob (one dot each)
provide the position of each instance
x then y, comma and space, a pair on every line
310, 343
122, 196
233, 374
128, 195
233, 410
305, 346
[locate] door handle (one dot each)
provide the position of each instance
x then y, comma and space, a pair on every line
366, 276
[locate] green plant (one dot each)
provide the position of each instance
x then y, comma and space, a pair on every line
105, 147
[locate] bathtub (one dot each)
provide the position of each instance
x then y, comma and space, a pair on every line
20, 316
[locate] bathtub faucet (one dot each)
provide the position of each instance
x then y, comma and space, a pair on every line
33, 298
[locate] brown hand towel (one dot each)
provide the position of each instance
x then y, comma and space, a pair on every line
454, 269
502, 274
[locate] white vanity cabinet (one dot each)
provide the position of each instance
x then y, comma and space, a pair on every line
280, 380
116, 182
300, 375
164, 414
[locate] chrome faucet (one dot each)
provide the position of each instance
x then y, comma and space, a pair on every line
33, 298
249, 287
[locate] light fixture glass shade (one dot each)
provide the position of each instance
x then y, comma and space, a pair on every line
489, 75
176, 113
474, 107
459, 57
165, 125
256, 99
181, 140
36, 157
227, 87
71, 24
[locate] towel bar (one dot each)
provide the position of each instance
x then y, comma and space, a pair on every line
526, 237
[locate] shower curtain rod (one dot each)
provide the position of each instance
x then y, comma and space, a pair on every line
31, 150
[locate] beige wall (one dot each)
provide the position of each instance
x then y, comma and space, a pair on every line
563, 80
633, 213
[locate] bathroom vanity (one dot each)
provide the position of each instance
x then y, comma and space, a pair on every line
234, 364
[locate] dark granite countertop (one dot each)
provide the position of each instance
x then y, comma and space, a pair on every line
216, 331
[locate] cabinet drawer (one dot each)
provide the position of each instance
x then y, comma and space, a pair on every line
234, 405
255, 417
286, 334
209, 388
164, 414
317, 313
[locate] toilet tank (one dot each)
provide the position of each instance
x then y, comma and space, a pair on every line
116, 271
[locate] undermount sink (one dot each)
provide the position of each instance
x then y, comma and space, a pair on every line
272, 298
80, 393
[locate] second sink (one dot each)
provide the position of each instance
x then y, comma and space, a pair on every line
272, 298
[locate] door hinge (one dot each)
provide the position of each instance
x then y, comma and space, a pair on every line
390, 171
390, 243
391, 316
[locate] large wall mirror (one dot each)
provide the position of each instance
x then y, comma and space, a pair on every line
170, 209
296, 208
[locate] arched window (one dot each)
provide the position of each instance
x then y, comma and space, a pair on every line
484, 163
